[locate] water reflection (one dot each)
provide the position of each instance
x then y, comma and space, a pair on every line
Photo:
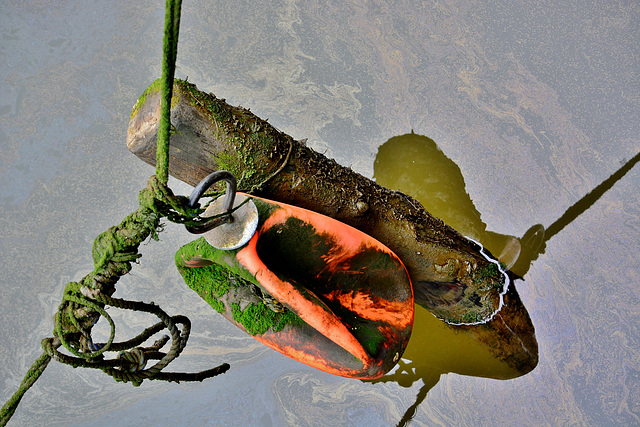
536, 238
503, 348
414, 164
506, 346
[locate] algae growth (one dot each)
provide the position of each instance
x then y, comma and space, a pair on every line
153, 88
249, 139
219, 285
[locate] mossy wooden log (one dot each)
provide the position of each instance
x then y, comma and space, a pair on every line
451, 277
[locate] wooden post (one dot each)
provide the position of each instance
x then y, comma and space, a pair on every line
451, 278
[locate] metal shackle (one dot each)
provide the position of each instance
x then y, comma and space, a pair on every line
230, 197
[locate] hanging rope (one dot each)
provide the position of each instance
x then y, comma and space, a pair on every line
169, 55
113, 251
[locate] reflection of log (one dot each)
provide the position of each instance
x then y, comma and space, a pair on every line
506, 346
415, 165
458, 283
502, 348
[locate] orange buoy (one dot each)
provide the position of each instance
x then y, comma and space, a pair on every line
310, 287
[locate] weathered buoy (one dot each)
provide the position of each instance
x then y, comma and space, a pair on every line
310, 287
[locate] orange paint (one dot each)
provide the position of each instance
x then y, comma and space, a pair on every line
369, 371
339, 298
397, 314
318, 316
350, 238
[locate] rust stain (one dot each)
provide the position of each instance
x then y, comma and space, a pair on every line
318, 317
398, 314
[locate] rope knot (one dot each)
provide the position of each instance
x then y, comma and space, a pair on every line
113, 252
133, 360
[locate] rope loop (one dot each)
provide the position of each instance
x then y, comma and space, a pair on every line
130, 363
113, 251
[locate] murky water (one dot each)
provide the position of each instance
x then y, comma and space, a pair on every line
531, 108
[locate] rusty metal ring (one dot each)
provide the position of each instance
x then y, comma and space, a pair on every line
230, 196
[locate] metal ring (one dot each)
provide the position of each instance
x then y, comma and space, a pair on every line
230, 197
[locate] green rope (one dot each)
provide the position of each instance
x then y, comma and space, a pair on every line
84, 302
88, 304
113, 252
130, 365
29, 379
170, 51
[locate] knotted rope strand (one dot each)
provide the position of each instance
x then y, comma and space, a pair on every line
113, 251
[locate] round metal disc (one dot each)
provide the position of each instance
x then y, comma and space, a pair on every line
234, 234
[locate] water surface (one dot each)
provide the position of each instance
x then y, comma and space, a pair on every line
535, 105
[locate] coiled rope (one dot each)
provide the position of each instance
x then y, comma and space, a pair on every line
113, 252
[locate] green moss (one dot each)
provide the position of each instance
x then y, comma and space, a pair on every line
370, 337
247, 137
230, 161
216, 107
156, 86
258, 318
210, 282
213, 283
489, 272
471, 317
